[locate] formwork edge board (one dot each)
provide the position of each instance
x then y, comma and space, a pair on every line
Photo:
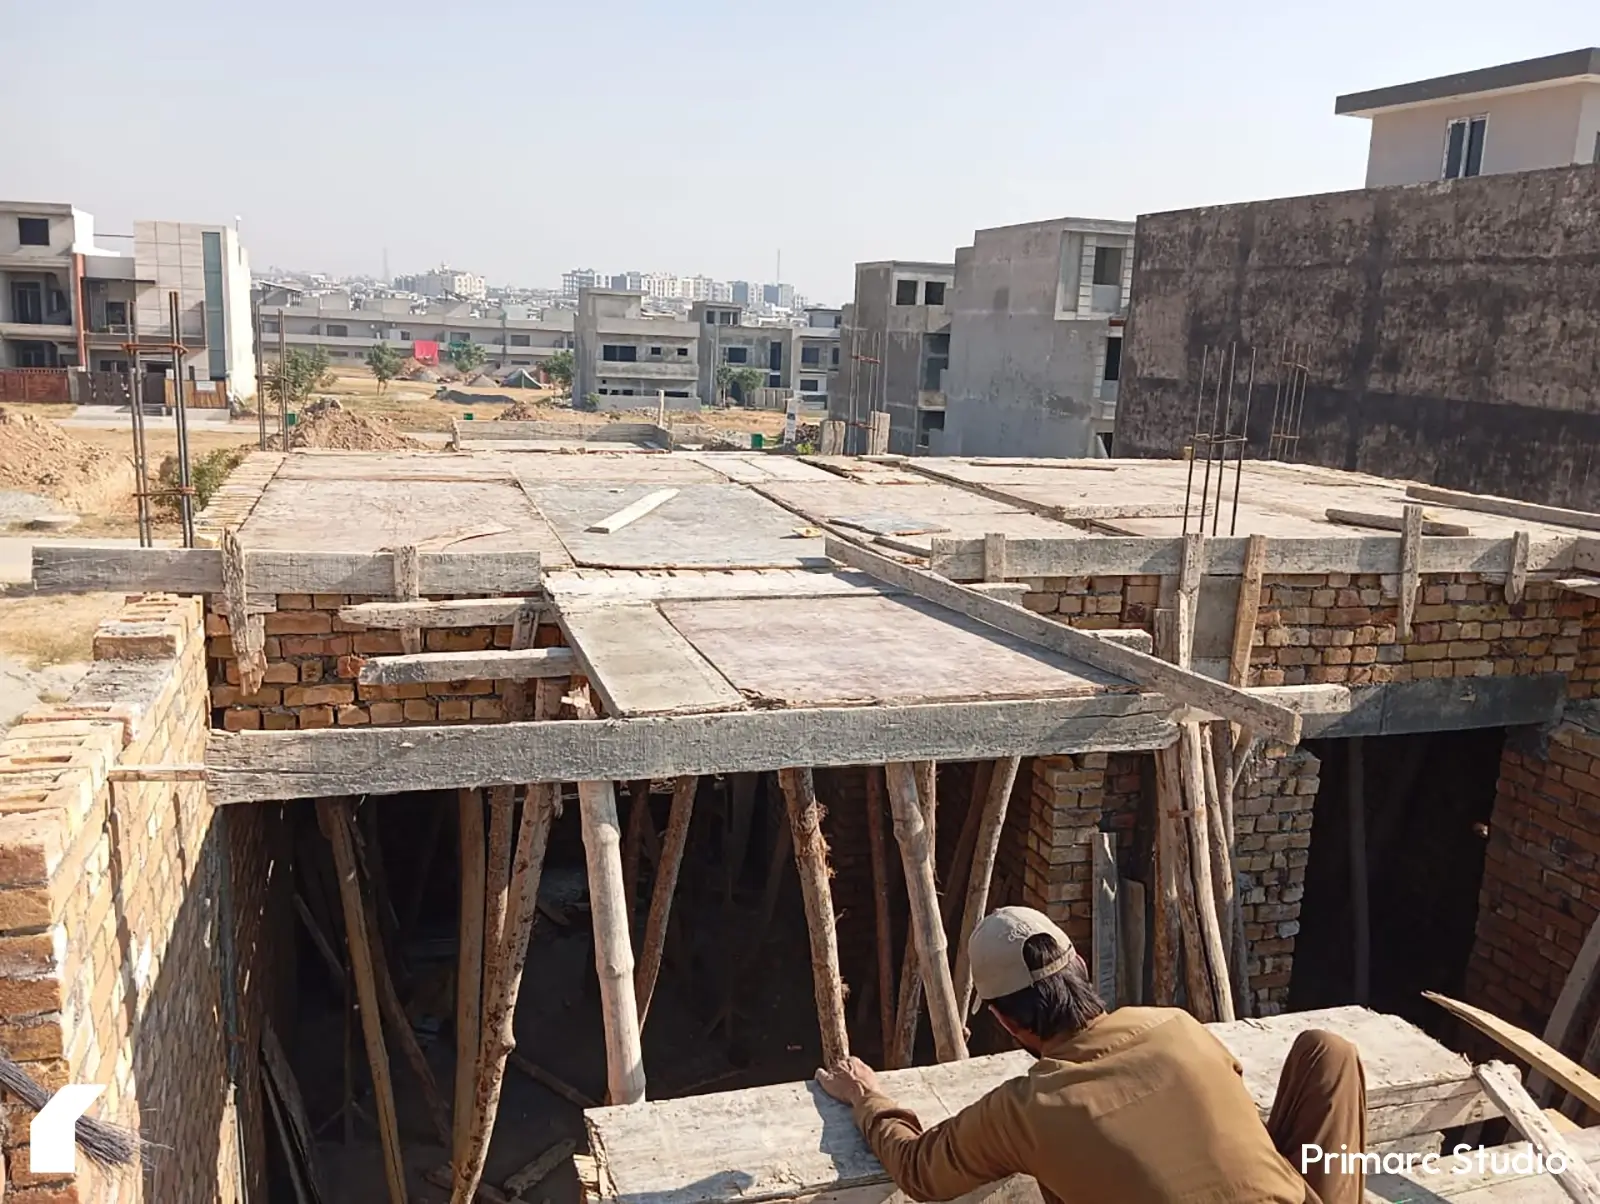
264, 766
517, 664
457, 612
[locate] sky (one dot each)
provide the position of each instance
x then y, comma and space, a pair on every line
520, 138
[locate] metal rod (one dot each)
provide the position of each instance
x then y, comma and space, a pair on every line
283, 387
141, 479
181, 422
1277, 398
1244, 442
1188, 485
1226, 427
1205, 483
1300, 408
261, 401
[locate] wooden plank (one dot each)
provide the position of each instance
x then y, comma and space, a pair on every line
1104, 918
1410, 567
469, 964
1178, 684
1094, 556
1517, 578
1574, 992
534, 1173
503, 665
1393, 522
300, 1142
1503, 1085
811, 860
882, 938
458, 612
1550, 1062
985, 850
655, 929
259, 766
1559, 516
1247, 610
994, 556
788, 1142
639, 664
613, 523
638, 589
408, 588
65, 568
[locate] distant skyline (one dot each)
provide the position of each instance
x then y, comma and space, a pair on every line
519, 140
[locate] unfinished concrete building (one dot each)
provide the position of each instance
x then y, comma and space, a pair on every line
272, 871
1036, 340
1446, 332
623, 359
894, 348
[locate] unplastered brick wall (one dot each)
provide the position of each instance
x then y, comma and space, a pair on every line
314, 661
1272, 832
1095, 602
1541, 884
110, 918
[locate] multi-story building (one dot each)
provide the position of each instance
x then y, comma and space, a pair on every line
1542, 112
65, 302
575, 281
779, 296
895, 347
444, 282
1036, 340
792, 357
511, 336
623, 358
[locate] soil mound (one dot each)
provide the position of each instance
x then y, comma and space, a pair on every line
37, 456
327, 424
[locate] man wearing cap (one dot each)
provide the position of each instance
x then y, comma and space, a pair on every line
1137, 1106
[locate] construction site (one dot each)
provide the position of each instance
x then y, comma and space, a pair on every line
587, 794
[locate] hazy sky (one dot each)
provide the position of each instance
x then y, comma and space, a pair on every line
518, 139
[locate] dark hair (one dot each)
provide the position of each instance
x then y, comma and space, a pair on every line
1062, 1003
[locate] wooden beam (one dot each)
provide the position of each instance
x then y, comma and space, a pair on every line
878, 433
908, 1004
1517, 578
880, 909
1104, 917
333, 815
655, 928
408, 588
1393, 522
1180, 685
1247, 611
273, 766
985, 851
916, 858
632, 512
156, 773
1552, 1063
457, 612
1559, 516
246, 630
1360, 898
1410, 567
66, 568
514, 664
1009, 591
994, 556
469, 963
1574, 993
1504, 1088
811, 859
961, 558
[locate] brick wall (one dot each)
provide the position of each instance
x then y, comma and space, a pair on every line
1272, 829
1541, 888
109, 894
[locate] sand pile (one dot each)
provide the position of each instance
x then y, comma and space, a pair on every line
523, 409
327, 424
37, 456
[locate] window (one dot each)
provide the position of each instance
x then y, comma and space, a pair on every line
711, 317
405, 336
775, 356
33, 231
683, 351
811, 356
1113, 360
774, 381
810, 386
460, 336
1108, 265
522, 340
736, 355
835, 357
617, 353
27, 303
655, 353
677, 392
930, 420
933, 292
269, 325
905, 292
726, 318
116, 313
337, 331
936, 358
1463, 147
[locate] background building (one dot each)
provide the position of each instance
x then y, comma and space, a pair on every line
444, 282
623, 358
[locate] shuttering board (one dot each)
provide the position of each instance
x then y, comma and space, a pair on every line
640, 666
873, 650
614, 467
962, 515
394, 466
789, 1142
588, 587
702, 526
755, 468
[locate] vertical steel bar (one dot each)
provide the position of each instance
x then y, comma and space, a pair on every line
1244, 440
181, 423
141, 475
261, 401
1199, 398
283, 387
1225, 426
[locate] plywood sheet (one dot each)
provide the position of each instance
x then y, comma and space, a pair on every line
538, 468
369, 515
862, 651
394, 466
703, 526
758, 467
640, 666
603, 587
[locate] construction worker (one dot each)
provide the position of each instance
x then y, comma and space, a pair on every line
1138, 1106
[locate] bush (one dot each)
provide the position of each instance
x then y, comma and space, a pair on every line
588, 405
205, 475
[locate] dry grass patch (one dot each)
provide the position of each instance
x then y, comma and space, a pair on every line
43, 630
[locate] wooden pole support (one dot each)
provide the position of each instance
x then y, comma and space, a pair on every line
334, 816
1410, 564
811, 859
655, 928
878, 850
613, 953
247, 631
908, 1007
469, 962
408, 588
1517, 578
994, 556
985, 850
916, 858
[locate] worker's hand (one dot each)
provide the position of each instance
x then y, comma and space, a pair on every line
849, 1081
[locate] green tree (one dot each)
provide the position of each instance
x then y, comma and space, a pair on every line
466, 356
745, 382
300, 373
558, 367
724, 380
384, 361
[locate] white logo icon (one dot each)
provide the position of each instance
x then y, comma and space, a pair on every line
52, 1149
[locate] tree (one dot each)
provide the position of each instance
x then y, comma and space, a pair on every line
466, 356
300, 373
724, 381
558, 367
385, 363
745, 382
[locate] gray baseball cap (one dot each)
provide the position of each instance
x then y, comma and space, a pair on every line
995, 952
